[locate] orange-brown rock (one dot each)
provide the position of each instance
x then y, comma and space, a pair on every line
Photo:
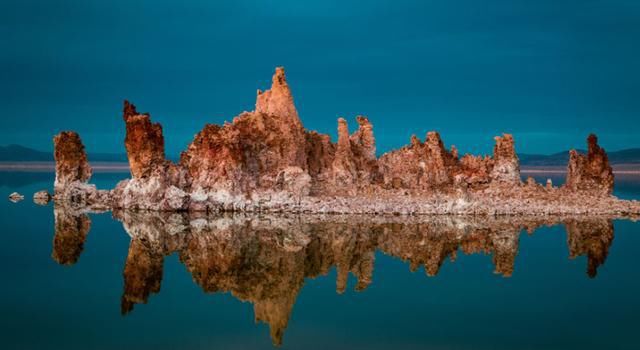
354, 163
265, 160
476, 170
252, 150
343, 167
506, 167
591, 172
71, 160
420, 165
320, 154
144, 143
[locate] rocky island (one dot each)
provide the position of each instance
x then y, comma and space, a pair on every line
266, 161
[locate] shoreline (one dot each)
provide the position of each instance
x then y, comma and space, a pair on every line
621, 169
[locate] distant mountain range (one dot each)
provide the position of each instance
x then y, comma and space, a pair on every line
17, 153
627, 156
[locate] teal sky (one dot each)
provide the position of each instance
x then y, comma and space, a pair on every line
547, 71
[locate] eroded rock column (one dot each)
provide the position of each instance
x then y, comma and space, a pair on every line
591, 172
71, 160
506, 167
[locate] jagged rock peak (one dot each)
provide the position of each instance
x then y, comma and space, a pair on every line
129, 110
591, 172
415, 141
506, 164
71, 159
144, 142
363, 139
438, 160
504, 148
278, 101
343, 164
344, 145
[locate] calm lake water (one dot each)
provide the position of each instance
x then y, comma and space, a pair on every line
82, 282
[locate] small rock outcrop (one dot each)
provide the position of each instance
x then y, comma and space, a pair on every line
591, 172
73, 173
71, 160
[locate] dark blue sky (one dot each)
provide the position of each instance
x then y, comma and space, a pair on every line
548, 71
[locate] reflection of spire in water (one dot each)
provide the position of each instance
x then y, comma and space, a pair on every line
71, 229
142, 274
591, 237
265, 259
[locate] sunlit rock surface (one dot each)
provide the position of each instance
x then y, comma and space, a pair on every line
592, 172
71, 160
266, 259
265, 161
73, 173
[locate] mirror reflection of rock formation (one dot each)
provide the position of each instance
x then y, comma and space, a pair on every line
266, 259
591, 237
71, 229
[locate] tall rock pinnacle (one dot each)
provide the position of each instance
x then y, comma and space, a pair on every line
591, 172
344, 168
144, 142
71, 160
363, 139
278, 101
506, 167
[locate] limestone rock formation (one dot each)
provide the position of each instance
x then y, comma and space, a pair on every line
506, 167
156, 183
591, 172
420, 165
253, 150
144, 143
264, 160
71, 160
73, 173
320, 155
343, 167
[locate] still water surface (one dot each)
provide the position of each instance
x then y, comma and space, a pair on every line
177, 282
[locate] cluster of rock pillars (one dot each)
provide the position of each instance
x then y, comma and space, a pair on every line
266, 161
